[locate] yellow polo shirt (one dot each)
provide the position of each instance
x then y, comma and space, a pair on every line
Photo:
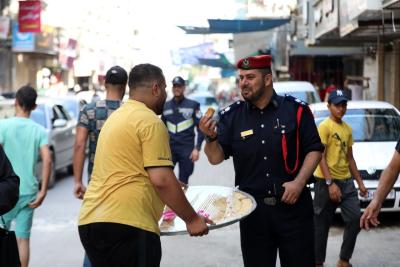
120, 191
337, 139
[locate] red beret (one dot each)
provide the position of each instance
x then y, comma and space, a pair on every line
257, 62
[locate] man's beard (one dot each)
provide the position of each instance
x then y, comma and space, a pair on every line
255, 96
160, 108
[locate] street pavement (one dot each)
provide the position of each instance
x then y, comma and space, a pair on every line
55, 241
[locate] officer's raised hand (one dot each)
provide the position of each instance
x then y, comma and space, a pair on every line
207, 125
292, 191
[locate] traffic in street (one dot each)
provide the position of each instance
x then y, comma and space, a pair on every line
55, 240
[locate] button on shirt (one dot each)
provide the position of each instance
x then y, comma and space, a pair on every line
253, 137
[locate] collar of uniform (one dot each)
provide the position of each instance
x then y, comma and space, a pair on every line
273, 103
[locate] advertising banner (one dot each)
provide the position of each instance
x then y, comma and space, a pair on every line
22, 41
4, 27
29, 16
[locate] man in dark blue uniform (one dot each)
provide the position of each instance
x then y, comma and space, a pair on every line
181, 115
275, 148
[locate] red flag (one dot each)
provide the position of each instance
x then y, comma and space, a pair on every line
29, 16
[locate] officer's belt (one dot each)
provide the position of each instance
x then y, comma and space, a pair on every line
186, 124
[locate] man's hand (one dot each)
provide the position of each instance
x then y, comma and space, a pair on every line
334, 193
38, 201
208, 126
370, 215
363, 190
198, 226
292, 191
194, 156
79, 190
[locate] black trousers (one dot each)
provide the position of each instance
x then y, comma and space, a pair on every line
288, 229
181, 155
324, 210
119, 245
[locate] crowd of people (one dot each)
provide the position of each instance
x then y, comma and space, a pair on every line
276, 147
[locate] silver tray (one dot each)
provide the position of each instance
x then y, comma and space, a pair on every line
203, 198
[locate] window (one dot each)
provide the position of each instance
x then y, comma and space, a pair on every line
369, 125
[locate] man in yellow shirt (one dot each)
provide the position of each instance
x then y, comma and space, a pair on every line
132, 180
335, 185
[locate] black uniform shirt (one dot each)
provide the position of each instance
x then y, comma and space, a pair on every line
253, 137
181, 118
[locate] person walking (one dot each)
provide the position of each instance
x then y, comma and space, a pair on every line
23, 140
132, 179
275, 148
334, 185
181, 115
386, 182
91, 118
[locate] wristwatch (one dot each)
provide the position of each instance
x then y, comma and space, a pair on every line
328, 181
210, 139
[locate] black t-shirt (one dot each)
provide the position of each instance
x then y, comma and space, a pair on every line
398, 146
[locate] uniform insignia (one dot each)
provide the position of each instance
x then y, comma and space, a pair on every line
298, 101
231, 107
246, 63
186, 112
246, 133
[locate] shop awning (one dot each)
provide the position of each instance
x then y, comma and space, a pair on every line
220, 62
235, 26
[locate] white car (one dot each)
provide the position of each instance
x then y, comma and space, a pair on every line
376, 129
60, 128
302, 90
206, 100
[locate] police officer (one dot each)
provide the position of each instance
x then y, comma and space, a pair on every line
275, 148
181, 115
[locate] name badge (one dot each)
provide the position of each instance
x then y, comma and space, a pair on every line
246, 133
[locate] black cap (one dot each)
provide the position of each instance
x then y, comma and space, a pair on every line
116, 75
178, 80
337, 96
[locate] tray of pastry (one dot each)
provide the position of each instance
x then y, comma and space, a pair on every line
223, 205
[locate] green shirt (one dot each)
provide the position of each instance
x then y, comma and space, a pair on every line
22, 139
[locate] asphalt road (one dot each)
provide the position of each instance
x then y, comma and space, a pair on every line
55, 241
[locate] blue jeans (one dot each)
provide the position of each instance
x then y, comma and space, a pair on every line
86, 261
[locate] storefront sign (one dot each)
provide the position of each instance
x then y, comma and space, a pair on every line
22, 42
42, 42
4, 27
67, 53
29, 16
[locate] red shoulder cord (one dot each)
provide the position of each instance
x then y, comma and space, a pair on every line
284, 145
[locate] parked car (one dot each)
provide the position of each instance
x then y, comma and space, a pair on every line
376, 128
206, 100
302, 90
60, 128
71, 103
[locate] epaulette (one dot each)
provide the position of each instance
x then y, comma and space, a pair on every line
296, 100
231, 107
